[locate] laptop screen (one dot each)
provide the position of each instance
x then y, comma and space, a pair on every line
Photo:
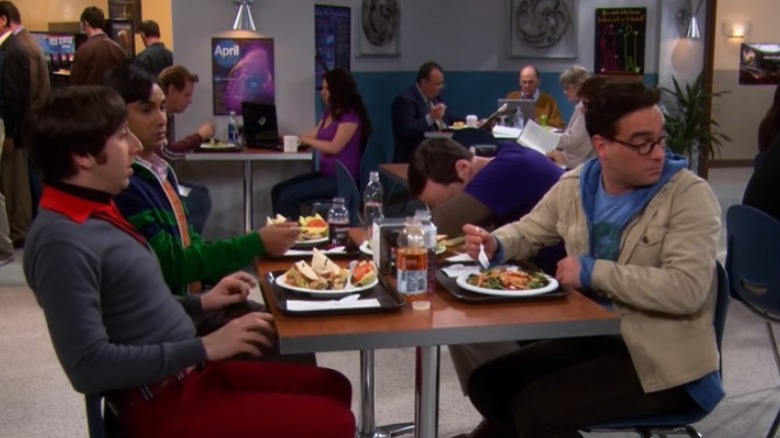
527, 105
260, 126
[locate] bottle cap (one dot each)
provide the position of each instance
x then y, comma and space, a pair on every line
421, 305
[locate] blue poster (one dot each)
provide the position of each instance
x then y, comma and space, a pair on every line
331, 39
242, 70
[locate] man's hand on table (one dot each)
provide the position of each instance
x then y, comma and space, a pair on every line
249, 334
278, 238
568, 272
232, 289
476, 236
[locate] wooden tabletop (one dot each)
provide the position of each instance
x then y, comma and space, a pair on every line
396, 171
248, 154
447, 322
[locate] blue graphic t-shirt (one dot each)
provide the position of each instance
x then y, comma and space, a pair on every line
611, 213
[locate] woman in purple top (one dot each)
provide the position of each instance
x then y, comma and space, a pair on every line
341, 135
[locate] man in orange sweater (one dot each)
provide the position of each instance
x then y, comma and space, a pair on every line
545, 104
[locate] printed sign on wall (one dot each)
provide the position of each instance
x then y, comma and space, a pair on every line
620, 41
242, 70
759, 64
331, 39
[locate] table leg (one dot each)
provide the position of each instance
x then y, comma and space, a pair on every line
248, 196
426, 412
367, 427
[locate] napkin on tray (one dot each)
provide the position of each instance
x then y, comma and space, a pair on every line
304, 305
299, 252
462, 257
458, 269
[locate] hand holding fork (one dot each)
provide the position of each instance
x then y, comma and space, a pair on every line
480, 245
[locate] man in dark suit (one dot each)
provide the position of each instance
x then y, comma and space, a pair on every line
16, 89
418, 109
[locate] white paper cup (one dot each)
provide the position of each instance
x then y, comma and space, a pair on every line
291, 143
471, 121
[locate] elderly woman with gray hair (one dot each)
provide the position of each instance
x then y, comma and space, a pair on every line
574, 147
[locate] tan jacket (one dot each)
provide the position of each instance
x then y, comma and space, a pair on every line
663, 285
544, 105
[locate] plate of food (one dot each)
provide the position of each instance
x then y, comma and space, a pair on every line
508, 281
327, 279
217, 145
365, 248
457, 125
314, 229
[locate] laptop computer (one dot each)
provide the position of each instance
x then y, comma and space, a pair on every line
527, 105
261, 129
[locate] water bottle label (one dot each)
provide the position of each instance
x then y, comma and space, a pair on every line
339, 234
412, 282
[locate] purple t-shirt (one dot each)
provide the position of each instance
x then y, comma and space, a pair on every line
512, 184
350, 155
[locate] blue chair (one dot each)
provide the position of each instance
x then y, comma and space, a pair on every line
753, 264
663, 425
348, 190
373, 155
473, 137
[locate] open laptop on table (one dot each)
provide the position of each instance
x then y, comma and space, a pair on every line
261, 129
527, 105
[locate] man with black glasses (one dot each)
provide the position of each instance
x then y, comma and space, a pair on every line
641, 233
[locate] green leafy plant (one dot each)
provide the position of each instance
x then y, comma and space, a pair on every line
689, 125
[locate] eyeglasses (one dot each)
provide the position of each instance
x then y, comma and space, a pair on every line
645, 148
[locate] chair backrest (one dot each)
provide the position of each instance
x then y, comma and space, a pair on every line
472, 136
348, 190
373, 155
753, 259
721, 303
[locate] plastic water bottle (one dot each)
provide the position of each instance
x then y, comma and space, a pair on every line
519, 117
338, 222
429, 230
373, 196
412, 261
232, 129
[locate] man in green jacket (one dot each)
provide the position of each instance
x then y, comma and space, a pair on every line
152, 204
641, 232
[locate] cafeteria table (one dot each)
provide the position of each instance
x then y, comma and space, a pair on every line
448, 321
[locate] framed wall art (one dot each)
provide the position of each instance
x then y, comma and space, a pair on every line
378, 28
242, 70
542, 28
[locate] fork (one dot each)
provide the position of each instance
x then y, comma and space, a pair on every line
482, 258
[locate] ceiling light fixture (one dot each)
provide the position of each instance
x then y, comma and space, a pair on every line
244, 20
687, 18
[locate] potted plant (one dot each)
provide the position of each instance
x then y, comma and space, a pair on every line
690, 128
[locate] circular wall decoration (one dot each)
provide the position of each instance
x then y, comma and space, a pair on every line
541, 23
380, 19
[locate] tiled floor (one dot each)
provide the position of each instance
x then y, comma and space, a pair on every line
37, 401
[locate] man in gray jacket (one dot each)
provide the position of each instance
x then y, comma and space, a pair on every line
641, 232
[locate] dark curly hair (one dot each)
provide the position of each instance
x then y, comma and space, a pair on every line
344, 97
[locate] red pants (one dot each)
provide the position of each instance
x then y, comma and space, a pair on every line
246, 399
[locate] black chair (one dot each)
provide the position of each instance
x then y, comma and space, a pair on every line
753, 264
679, 424
101, 421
